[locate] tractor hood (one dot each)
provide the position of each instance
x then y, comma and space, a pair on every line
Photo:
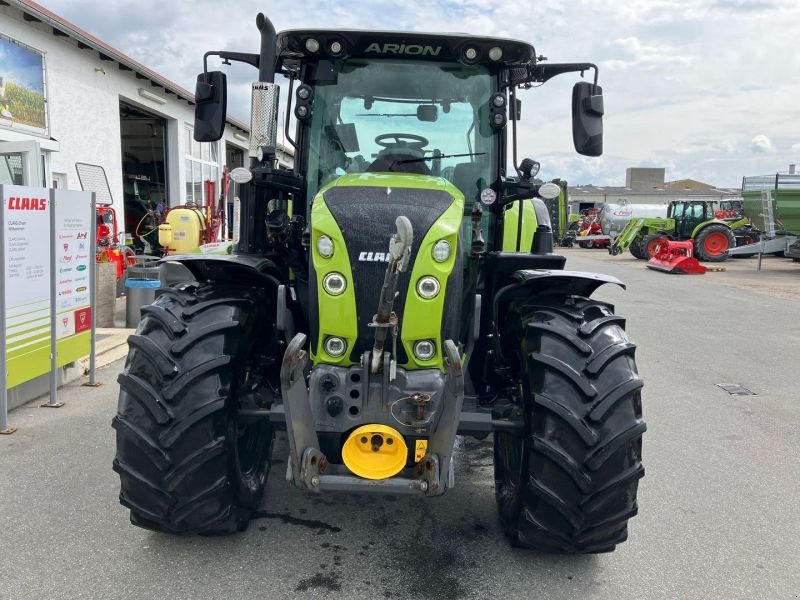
357, 213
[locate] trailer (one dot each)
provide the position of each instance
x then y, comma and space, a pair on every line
772, 203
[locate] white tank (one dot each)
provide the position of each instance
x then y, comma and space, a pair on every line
614, 217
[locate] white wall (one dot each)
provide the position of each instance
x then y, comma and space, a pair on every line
83, 95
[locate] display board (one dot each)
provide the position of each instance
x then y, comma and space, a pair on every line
26, 253
73, 226
39, 224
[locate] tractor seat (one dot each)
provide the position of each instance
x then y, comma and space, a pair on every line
387, 162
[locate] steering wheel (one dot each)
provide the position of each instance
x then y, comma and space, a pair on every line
407, 140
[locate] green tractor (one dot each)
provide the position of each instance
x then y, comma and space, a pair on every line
395, 289
714, 229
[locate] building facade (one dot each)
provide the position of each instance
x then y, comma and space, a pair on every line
69, 102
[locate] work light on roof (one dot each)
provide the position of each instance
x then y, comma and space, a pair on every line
312, 45
496, 53
336, 47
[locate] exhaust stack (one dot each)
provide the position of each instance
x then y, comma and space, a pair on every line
265, 93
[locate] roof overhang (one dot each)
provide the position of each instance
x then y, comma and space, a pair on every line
34, 12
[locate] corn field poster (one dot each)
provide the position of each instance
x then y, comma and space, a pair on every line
22, 87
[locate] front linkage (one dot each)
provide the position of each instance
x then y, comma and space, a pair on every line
376, 451
309, 468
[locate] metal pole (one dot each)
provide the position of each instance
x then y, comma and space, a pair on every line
92, 285
53, 402
5, 428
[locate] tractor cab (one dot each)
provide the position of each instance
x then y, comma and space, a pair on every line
688, 214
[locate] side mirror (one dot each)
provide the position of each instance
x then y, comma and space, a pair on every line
427, 112
587, 119
211, 98
515, 114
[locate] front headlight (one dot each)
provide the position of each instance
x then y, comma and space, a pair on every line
325, 246
334, 283
335, 346
424, 349
428, 287
441, 251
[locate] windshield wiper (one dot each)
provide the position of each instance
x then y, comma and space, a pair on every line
386, 115
432, 157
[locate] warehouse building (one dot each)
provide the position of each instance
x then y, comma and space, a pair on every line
645, 186
70, 103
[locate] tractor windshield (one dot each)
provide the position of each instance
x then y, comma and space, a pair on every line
403, 116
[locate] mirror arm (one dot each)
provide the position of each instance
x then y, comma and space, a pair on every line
243, 57
544, 72
517, 190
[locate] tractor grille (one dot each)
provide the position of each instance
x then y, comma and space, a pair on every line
366, 218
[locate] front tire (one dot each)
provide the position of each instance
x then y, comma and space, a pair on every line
651, 244
568, 482
186, 463
636, 248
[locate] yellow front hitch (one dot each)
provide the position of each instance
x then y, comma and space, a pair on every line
375, 452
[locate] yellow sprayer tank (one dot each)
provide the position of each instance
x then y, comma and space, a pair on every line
186, 227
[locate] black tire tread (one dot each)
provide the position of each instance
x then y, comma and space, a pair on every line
580, 456
175, 399
635, 248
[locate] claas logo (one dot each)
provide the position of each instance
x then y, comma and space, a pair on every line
18, 203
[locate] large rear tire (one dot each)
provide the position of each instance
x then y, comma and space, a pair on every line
568, 482
713, 242
186, 463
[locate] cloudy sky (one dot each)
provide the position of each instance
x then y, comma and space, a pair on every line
709, 89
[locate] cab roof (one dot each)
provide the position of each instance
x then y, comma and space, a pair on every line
297, 45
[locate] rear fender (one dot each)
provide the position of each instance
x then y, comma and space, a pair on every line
705, 224
243, 270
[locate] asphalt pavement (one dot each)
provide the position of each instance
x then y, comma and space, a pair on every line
718, 507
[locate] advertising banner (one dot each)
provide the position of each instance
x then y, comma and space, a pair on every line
74, 225
30, 278
26, 254
22, 87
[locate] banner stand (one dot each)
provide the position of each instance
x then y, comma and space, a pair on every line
5, 428
53, 402
41, 317
93, 301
